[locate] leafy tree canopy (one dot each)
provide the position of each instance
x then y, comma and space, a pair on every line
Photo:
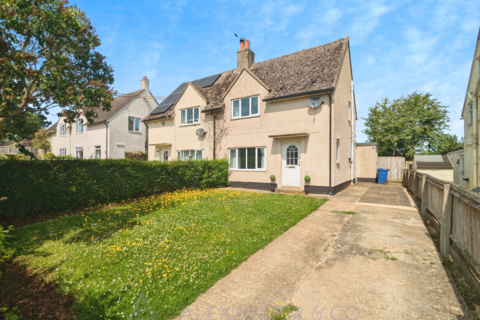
402, 126
443, 144
48, 59
41, 140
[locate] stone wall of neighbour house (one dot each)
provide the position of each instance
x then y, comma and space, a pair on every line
121, 139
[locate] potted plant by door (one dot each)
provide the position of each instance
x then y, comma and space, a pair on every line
307, 183
272, 183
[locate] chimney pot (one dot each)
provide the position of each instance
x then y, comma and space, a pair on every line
145, 82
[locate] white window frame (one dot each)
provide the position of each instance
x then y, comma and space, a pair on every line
77, 149
63, 152
135, 120
79, 126
235, 166
184, 113
63, 129
180, 154
337, 151
98, 148
250, 115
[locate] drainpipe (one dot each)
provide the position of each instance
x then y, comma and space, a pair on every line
146, 141
352, 121
214, 133
475, 143
106, 138
330, 145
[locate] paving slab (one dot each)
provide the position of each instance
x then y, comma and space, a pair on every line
379, 263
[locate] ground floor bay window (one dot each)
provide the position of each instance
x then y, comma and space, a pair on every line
190, 154
248, 158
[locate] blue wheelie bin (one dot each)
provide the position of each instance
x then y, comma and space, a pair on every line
382, 176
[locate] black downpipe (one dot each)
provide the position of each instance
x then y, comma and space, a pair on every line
146, 141
330, 146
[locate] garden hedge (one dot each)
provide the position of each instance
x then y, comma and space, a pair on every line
37, 187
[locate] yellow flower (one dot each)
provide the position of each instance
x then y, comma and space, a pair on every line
164, 275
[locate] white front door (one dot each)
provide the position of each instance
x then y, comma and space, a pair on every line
165, 154
291, 164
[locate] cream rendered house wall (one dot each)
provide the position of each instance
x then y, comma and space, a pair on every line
456, 159
341, 125
170, 135
471, 140
366, 162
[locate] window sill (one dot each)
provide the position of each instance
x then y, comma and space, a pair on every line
79, 133
240, 118
63, 136
248, 170
190, 124
131, 131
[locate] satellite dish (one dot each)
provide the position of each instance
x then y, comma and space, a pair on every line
200, 132
314, 102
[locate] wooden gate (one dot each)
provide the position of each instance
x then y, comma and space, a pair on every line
396, 166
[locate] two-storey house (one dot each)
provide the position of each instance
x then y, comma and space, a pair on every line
466, 160
111, 134
291, 117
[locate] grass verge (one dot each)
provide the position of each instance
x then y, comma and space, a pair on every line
170, 247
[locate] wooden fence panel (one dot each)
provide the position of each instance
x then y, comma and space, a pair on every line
466, 226
419, 185
434, 198
396, 166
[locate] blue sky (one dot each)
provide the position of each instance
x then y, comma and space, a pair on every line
397, 47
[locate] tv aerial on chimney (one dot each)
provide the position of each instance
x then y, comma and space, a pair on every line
241, 38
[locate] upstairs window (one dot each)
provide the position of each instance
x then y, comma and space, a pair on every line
190, 116
470, 113
133, 124
63, 132
79, 125
246, 107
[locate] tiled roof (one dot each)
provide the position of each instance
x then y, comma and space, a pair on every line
117, 104
53, 127
294, 72
432, 162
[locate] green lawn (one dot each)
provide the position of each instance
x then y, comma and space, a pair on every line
171, 247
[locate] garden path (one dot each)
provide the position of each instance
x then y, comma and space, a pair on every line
379, 263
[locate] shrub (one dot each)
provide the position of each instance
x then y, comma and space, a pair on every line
49, 156
34, 187
272, 177
307, 178
136, 155
20, 156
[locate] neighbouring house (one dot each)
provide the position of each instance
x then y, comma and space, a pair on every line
367, 159
289, 117
111, 134
458, 160
10, 147
470, 116
437, 166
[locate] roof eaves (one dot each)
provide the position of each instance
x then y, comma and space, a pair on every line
471, 73
299, 94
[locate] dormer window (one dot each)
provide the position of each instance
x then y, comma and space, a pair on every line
190, 116
244, 108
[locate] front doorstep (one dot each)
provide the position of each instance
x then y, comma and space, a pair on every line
288, 189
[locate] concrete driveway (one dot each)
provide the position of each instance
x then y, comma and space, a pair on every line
379, 263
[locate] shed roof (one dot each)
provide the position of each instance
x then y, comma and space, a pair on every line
286, 76
432, 162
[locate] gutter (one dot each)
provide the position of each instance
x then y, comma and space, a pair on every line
330, 145
300, 94
146, 140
